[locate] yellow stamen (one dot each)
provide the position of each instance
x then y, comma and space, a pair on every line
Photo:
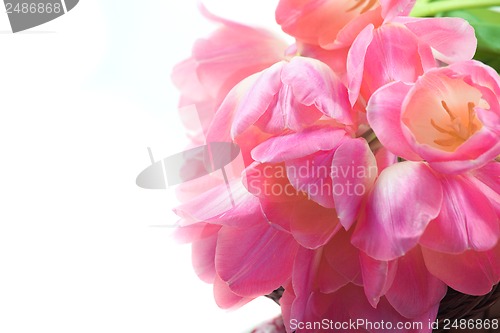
458, 132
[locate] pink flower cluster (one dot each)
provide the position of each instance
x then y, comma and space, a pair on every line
367, 182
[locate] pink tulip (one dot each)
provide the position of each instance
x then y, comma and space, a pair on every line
450, 214
341, 284
233, 245
218, 63
403, 49
449, 117
332, 23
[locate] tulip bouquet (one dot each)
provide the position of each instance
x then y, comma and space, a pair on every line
367, 182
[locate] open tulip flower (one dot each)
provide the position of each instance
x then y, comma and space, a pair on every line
368, 181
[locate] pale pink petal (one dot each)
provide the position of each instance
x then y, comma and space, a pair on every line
220, 128
296, 145
233, 206
203, 258
471, 272
415, 291
232, 53
466, 221
377, 277
487, 80
453, 38
393, 8
225, 298
354, 170
314, 83
195, 232
258, 99
285, 112
356, 61
384, 115
398, 224
255, 260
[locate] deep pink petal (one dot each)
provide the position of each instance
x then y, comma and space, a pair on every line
312, 175
255, 260
344, 257
471, 272
377, 277
356, 61
415, 291
395, 54
389, 214
466, 221
384, 115
354, 170
311, 224
487, 179
453, 38
385, 158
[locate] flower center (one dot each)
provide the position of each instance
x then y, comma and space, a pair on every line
368, 4
457, 130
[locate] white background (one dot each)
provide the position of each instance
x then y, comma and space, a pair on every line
82, 249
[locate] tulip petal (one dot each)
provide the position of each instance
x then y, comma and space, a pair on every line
235, 206
354, 170
311, 224
453, 38
255, 260
393, 8
257, 99
314, 83
466, 221
344, 257
296, 145
232, 53
377, 277
395, 54
384, 116
471, 272
356, 61
487, 179
312, 175
225, 298
203, 258
414, 290
388, 215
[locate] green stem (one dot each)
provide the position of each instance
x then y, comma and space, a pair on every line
425, 8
